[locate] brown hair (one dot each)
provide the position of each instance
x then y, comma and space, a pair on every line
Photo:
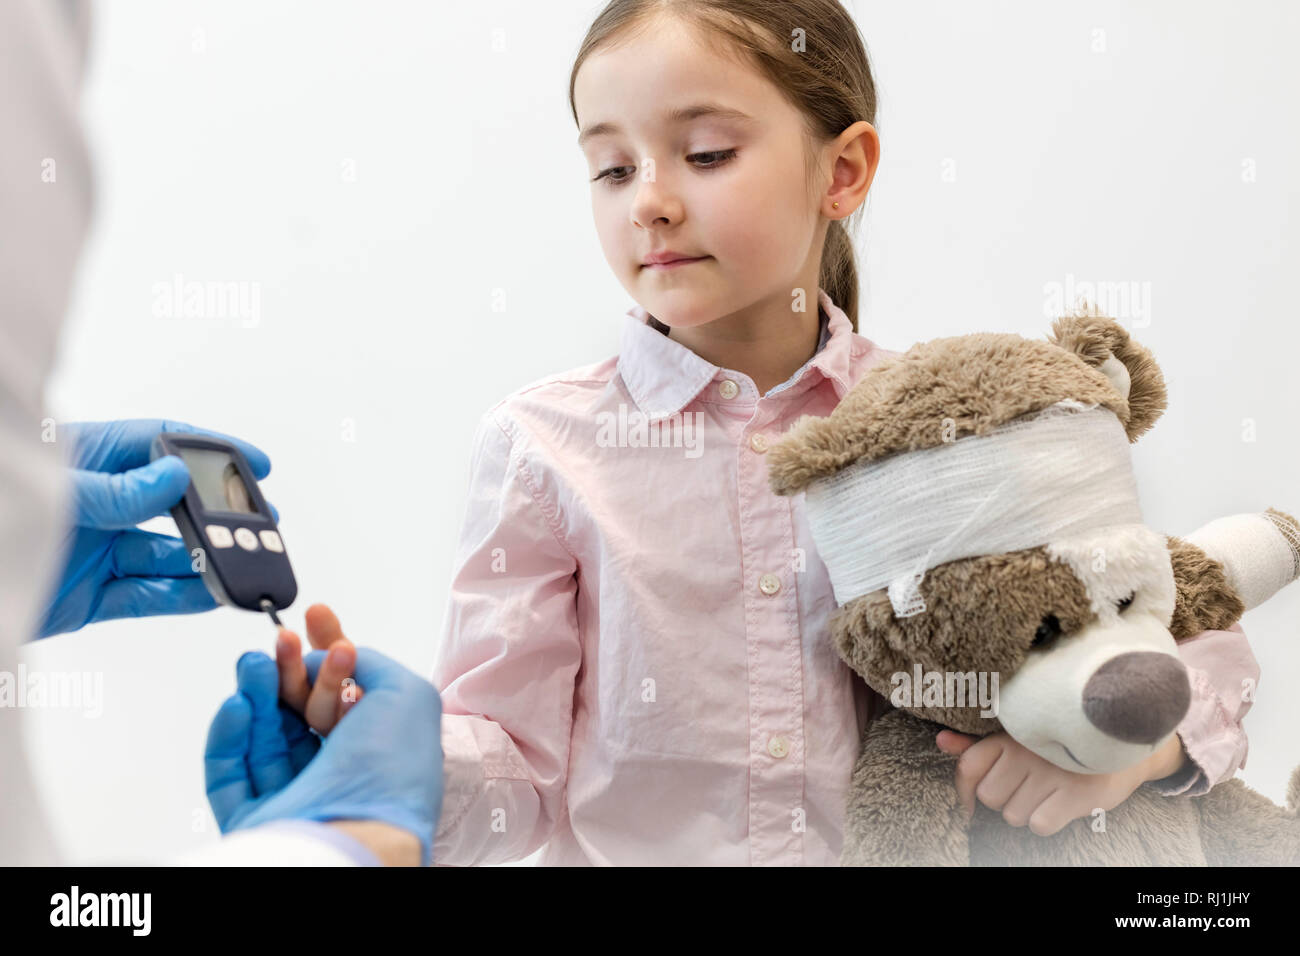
828, 79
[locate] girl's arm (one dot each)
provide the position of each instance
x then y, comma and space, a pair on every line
507, 663
1223, 672
1252, 557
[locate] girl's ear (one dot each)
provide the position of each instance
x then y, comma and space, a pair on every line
1106, 345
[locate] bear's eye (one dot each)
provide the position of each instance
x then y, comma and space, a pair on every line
1047, 632
1123, 605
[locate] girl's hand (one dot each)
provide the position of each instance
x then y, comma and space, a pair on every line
1032, 791
335, 692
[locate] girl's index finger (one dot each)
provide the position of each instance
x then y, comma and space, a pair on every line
323, 627
348, 698
322, 703
294, 687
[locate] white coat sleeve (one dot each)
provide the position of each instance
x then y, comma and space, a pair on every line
283, 843
46, 200
45, 205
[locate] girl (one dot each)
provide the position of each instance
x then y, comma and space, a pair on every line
634, 666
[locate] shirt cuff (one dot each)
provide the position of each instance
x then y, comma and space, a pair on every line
1215, 743
1183, 780
355, 850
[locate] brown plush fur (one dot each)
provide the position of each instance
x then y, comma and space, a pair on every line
1205, 599
982, 613
1094, 339
903, 808
904, 811
949, 388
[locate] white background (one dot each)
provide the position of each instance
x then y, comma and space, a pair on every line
1023, 143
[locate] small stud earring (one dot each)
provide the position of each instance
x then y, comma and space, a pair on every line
835, 205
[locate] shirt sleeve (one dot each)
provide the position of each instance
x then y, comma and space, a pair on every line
1223, 673
507, 662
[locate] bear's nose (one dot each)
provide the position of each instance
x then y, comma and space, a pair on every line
1138, 697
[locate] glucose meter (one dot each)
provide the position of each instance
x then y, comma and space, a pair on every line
227, 525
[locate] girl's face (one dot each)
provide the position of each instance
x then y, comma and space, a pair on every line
727, 187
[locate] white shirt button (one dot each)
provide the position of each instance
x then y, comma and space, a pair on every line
769, 584
758, 442
246, 539
728, 389
778, 746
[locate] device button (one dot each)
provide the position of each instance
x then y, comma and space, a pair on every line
271, 541
219, 536
246, 539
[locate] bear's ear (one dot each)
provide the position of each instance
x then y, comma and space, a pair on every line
1106, 345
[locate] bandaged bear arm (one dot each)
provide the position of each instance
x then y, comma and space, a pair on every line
1260, 552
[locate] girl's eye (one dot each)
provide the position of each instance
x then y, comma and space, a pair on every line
710, 160
717, 157
610, 174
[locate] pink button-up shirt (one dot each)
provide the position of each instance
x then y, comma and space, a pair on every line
635, 666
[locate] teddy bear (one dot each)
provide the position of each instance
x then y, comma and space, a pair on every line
974, 503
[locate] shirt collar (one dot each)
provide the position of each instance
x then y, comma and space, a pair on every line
662, 375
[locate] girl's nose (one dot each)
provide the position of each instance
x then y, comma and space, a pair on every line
654, 204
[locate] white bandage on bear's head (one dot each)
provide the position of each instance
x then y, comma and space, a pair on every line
884, 523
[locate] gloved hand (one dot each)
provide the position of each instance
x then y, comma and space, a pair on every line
382, 761
112, 570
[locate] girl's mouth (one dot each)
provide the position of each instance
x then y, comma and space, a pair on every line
674, 264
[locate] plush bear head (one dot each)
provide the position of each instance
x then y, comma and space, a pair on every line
974, 503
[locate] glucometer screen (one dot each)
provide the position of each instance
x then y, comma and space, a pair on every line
217, 480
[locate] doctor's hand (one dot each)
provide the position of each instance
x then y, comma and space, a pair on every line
110, 568
382, 763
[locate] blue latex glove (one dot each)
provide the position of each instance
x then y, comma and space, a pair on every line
382, 761
112, 570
